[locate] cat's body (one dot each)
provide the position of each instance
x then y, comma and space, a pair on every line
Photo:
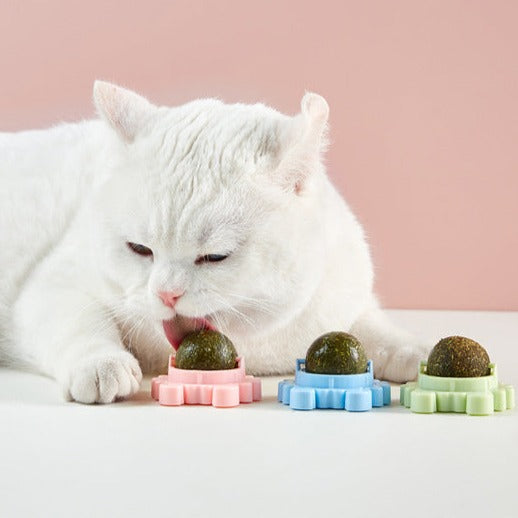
247, 234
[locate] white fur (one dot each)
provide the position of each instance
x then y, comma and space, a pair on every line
203, 178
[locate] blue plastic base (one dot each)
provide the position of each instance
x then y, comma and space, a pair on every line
352, 392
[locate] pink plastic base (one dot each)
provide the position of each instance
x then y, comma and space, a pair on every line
224, 388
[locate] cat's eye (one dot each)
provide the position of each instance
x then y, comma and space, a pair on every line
140, 249
210, 258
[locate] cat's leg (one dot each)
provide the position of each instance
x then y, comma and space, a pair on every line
68, 335
395, 352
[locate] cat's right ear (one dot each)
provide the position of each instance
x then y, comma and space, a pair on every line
125, 111
304, 144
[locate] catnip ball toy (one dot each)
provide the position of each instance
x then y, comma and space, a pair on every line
458, 357
336, 353
206, 350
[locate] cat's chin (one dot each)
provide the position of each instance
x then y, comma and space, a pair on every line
179, 326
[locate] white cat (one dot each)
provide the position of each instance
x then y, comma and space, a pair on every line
150, 221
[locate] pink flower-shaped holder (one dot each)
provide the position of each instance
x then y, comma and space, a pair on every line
222, 388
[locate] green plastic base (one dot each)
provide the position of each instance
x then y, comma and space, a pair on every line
473, 396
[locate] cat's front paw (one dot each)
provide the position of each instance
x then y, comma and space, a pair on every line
104, 378
399, 364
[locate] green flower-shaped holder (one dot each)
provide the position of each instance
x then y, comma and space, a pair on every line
473, 396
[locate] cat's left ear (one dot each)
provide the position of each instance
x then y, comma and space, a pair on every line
124, 110
307, 140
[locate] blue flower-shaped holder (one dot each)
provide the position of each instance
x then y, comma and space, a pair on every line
352, 392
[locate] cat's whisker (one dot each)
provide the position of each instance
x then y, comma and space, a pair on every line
135, 329
230, 309
262, 305
220, 322
227, 307
129, 327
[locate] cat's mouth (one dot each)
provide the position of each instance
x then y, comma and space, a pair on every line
178, 327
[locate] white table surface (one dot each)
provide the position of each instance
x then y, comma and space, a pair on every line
137, 458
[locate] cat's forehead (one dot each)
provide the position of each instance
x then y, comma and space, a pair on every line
210, 135
194, 213
193, 171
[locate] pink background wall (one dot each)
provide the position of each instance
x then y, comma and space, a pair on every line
423, 96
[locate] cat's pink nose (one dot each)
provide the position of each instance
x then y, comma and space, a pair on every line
170, 298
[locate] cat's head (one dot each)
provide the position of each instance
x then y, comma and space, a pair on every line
211, 211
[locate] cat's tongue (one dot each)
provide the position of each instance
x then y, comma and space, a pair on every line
179, 326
